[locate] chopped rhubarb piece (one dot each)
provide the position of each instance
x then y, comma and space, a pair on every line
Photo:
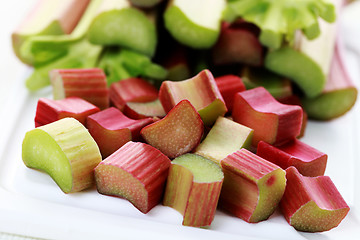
179, 132
308, 161
273, 122
312, 204
136, 172
48, 111
111, 129
339, 94
237, 44
224, 138
132, 90
66, 151
229, 85
200, 90
137, 110
193, 188
89, 84
252, 186
55, 17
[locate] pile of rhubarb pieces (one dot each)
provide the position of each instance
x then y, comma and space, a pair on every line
194, 145
196, 105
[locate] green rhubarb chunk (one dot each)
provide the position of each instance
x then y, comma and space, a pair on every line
194, 24
330, 105
126, 27
80, 55
300, 68
65, 150
280, 19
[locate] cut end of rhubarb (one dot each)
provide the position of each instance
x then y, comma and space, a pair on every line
179, 132
312, 204
193, 188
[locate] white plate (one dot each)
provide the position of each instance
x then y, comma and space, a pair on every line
31, 204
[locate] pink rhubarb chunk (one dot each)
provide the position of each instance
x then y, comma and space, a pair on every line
229, 85
111, 129
48, 110
272, 121
252, 186
89, 84
312, 204
136, 172
132, 90
308, 161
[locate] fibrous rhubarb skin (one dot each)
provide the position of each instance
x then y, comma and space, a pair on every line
111, 129
193, 188
339, 94
237, 45
88, 84
140, 110
312, 204
179, 132
202, 92
48, 110
273, 122
306, 159
136, 172
66, 151
132, 90
229, 85
295, 100
252, 186
224, 138
48, 18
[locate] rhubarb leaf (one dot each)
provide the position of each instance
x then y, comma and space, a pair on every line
280, 19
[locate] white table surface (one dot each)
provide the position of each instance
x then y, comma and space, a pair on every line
11, 69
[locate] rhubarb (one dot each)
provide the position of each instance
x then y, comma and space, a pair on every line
131, 90
237, 44
136, 172
252, 186
114, 26
53, 18
66, 151
339, 94
139, 110
193, 188
201, 90
306, 159
111, 129
312, 204
194, 23
273, 122
229, 85
224, 138
89, 84
48, 110
179, 132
